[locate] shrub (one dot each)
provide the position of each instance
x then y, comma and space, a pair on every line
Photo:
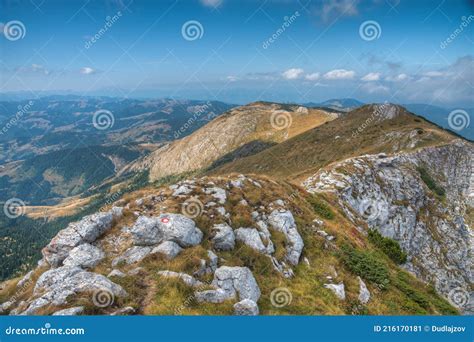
430, 183
321, 208
366, 265
389, 246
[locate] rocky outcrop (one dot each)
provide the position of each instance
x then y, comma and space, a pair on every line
338, 290
169, 249
231, 282
364, 294
251, 237
390, 195
148, 231
70, 312
85, 256
86, 230
283, 221
224, 238
53, 287
246, 307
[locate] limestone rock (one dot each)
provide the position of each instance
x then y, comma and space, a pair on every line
86, 230
337, 289
224, 240
85, 256
70, 312
186, 278
283, 221
132, 255
364, 294
246, 307
230, 282
252, 238
148, 231
169, 249
116, 273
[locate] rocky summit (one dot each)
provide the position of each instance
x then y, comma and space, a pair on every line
370, 212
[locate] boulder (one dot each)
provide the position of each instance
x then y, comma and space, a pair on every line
219, 194
337, 289
230, 282
251, 237
56, 285
128, 310
70, 312
364, 294
246, 307
85, 256
86, 230
224, 240
132, 255
116, 273
169, 249
283, 221
148, 231
186, 278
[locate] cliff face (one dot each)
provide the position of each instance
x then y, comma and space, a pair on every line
423, 200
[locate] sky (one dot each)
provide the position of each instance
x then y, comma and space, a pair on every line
239, 51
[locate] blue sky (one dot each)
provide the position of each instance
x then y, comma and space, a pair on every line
319, 49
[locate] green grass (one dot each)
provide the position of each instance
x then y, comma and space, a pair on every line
430, 182
321, 208
367, 265
389, 246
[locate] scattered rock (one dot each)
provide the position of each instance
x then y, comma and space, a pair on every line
85, 256
218, 193
283, 221
169, 249
251, 237
246, 307
116, 273
337, 289
186, 278
224, 240
230, 281
86, 230
128, 310
166, 227
132, 255
70, 312
364, 294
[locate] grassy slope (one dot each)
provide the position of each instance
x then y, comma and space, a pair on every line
149, 294
335, 140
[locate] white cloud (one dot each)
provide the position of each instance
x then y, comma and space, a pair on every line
371, 76
211, 3
87, 71
312, 77
231, 78
293, 74
433, 74
339, 74
373, 88
398, 78
332, 9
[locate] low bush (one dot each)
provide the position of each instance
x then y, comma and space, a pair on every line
389, 246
